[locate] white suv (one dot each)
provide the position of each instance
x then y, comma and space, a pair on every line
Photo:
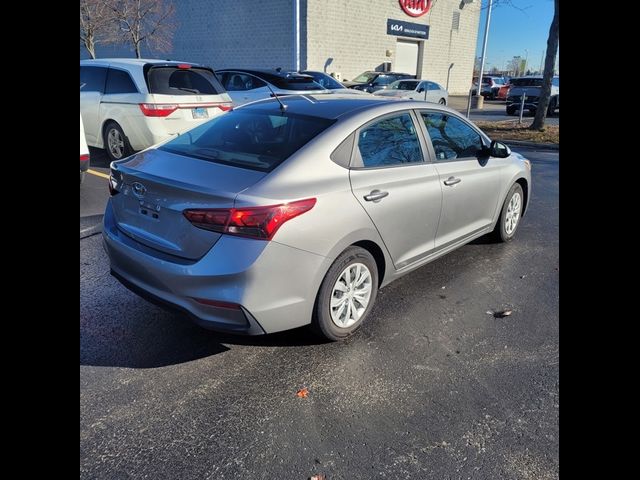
130, 104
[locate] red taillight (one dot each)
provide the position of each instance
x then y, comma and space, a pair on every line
254, 222
225, 107
84, 157
184, 65
157, 110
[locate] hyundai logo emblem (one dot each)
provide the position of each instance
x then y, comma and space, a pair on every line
139, 190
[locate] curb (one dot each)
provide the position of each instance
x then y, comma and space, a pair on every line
541, 146
94, 227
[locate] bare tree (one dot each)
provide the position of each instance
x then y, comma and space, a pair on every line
96, 25
145, 21
549, 67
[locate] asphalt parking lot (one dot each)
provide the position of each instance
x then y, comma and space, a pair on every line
493, 111
434, 386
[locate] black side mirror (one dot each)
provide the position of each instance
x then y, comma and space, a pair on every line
421, 89
499, 150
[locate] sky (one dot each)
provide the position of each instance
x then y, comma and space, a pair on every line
514, 31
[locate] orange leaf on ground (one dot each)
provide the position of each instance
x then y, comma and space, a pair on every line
302, 393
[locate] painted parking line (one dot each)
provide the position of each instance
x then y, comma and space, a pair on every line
99, 174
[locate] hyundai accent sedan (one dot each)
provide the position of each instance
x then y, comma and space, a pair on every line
295, 211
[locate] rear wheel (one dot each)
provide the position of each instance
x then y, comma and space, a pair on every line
552, 107
511, 111
510, 215
347, 294
115, 142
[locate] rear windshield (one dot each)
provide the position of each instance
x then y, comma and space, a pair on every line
526, 82
365, 77
183, 81
248, 139
296, 83
404, 85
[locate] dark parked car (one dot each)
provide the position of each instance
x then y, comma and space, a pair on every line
248, 85
327, 81
530, 88
374, 81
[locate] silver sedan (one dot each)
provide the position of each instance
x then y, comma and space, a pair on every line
416, 90
278, 215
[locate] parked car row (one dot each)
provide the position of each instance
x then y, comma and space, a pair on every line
128, 105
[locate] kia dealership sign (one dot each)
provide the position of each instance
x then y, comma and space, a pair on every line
415, 8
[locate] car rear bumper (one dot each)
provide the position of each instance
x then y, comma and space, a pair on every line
84, 165
273, 285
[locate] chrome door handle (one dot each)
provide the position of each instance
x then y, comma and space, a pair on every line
375, 196
452, 181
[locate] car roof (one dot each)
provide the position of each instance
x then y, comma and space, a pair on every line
132, 62
333, 106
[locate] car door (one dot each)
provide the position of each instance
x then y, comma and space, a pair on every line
92, 82
399, 188
471, 182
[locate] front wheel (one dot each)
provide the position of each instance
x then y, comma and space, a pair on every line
510, 215
347, 294
511, 111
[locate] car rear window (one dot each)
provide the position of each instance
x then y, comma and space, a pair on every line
183, 81
526, 82
248, 139
296, 83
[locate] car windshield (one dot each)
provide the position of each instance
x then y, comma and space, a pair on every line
526, 82
365, 77
325, 80
173, 80
404, 85
248, 139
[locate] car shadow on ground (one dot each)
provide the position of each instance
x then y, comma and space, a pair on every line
164, 338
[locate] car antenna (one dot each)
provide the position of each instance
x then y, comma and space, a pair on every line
283, 107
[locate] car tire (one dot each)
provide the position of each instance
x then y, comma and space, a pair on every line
551, 110
442, 101
511, 111
115, 142
337, 322
82, 175
513, 204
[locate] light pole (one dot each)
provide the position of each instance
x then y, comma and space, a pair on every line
526, 61
479, 99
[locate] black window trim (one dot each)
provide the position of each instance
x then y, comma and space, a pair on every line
426, 154
104, 86
486, 141
106, 78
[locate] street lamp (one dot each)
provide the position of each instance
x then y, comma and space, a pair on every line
479, 102
526, 61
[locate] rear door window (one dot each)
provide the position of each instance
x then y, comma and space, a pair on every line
236, 82
172, 80
92, 79
119, 81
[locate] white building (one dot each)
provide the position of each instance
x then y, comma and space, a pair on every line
344, 37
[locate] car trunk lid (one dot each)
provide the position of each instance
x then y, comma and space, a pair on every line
155, 187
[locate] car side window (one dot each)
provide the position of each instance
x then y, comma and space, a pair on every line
119, 81
92, 79
388, 142
451, 137
238, 82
